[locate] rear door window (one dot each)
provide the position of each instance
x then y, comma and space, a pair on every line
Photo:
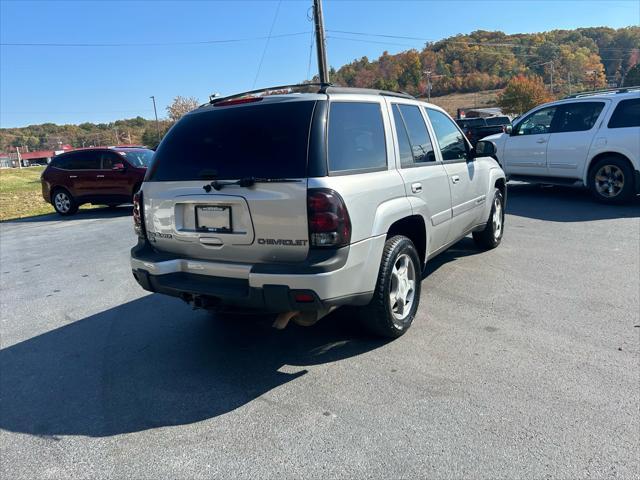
576, 117
261, 140
356, 140
87, 160
626, 114
418, 134
406, 157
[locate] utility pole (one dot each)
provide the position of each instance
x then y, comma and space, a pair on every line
19, 158
323, 71
152, 97
569, 81
117, 136
429, 85
551, 77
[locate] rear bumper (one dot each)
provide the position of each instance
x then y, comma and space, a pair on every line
636, 174
347, 276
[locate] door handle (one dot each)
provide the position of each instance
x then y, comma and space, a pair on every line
99, 176
73, 176
541, 140
455, 179
416, 187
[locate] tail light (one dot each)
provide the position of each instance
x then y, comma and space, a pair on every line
138, 215
329, 223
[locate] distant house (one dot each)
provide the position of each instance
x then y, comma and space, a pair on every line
38, 157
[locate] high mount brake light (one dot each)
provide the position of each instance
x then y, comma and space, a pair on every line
329, 222
237, 101
138, 215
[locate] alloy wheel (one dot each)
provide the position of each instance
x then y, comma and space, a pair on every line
402, 287
497, 218
609, 181
62, 202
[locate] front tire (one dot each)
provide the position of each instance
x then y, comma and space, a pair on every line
63, 202
491, 236
611, 180
397, 295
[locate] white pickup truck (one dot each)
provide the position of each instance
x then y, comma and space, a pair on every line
588, 139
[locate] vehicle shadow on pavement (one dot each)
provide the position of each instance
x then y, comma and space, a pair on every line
82, 214
464, 248
563, 204
153, 362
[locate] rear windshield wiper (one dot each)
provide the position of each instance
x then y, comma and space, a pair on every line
245, 182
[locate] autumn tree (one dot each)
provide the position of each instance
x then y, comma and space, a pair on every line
522, 94
181, 106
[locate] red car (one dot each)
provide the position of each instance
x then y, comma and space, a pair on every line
106, 176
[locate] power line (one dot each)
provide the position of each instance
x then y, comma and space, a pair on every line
313, 37
370, 41
413, 46
266, 44
484, 53
152, 44
68, 111
461, 42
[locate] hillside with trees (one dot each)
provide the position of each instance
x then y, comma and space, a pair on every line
49, 136
581, 59
566, 61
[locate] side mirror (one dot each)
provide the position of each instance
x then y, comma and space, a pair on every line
119, 167
484, 148
508, 129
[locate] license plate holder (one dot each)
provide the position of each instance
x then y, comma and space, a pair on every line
213, 218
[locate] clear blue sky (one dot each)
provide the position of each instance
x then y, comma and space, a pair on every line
100, 84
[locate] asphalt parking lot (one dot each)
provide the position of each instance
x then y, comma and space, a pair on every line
524, 362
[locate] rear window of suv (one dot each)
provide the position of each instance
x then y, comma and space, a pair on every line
626, 114
263, 141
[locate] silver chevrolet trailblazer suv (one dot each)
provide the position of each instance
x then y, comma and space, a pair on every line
298, 203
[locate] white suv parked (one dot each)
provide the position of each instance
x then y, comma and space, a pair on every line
299, 203
588, 139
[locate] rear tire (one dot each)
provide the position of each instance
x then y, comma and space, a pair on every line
611, 180
63, 202
397, 294
491, 236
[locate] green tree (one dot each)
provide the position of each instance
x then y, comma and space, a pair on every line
632, 78
522, 94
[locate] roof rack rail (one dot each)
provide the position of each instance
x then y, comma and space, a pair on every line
386, 93
215, 99
321, 88
604, 90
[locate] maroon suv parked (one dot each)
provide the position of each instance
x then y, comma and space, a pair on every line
105, 176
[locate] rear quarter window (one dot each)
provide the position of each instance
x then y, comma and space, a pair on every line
356, 139
626, 114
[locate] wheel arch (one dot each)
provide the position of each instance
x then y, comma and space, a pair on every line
54, 189
414, 228
600, 156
